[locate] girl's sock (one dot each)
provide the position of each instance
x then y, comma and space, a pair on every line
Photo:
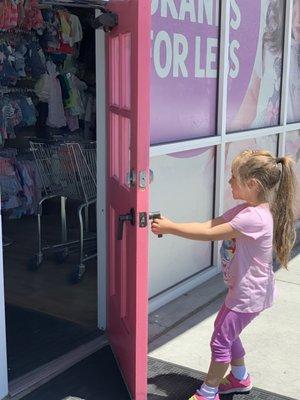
207, 391
239, 372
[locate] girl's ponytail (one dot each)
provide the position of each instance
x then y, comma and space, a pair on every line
283, 211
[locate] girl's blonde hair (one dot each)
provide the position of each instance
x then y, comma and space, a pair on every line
277, 182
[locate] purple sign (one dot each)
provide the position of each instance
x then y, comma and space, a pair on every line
184, 81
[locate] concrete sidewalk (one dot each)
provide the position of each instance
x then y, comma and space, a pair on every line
180, 333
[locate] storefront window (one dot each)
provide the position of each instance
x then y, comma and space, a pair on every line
185, 40
268, 143
292, 147
255, 64
294, 79
183, 190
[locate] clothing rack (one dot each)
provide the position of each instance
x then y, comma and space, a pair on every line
5, 90
78, 4
17, 31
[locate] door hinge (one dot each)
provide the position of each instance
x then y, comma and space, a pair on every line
143, 179
143, 220
122, 219
131, 178
107, 20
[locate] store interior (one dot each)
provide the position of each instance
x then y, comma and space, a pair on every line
47, 139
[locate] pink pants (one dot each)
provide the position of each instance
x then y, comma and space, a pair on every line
225, 342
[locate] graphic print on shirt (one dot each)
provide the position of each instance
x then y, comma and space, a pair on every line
227, 252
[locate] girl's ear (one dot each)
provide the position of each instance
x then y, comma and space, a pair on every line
252, 184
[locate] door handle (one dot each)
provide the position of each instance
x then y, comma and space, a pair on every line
123, 218
155, 215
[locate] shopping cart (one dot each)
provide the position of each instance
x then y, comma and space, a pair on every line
68, 171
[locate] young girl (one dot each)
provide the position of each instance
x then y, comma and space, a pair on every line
267, 186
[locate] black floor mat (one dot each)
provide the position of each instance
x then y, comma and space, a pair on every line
34, 339
98, 378
170, 381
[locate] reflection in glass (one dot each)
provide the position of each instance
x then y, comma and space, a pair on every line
254, 94
294, 79
183, 190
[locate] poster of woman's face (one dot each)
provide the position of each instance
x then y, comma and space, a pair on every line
260, 106
296, 21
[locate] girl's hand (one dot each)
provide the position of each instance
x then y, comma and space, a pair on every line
162, 226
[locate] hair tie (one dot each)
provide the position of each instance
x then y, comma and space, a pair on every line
279, 160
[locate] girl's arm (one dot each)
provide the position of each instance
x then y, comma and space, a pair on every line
196, 231
213, 222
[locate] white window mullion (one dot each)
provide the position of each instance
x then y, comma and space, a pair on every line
222, 117
285, 76
253, 134
193, 144
185, 145
292, 127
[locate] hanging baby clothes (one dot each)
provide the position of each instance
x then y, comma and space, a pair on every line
31, 192
71, 88
20, 58
75, 103
56, 114
35, 59
48, 90
19, 62
33, 18
10, 184
8, 15
25, 14
50, 37
20, 185
65, 26
62, 31
71, 31
15, 111
76, 30
8, 74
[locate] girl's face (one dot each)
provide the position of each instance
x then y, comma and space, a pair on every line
247, 192
296, 21
237, 190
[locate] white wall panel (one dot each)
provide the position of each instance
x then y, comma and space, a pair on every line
183, 191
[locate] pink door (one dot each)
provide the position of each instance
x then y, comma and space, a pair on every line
128, 69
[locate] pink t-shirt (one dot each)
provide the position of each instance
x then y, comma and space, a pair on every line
247, 261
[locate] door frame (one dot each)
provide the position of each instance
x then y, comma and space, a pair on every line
101, 138
101, 214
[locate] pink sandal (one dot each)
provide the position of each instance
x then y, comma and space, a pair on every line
232, 385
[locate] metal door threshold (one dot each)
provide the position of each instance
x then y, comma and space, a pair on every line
27, 383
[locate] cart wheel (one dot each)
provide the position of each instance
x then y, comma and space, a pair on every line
35, 262
77, 274
62, 256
